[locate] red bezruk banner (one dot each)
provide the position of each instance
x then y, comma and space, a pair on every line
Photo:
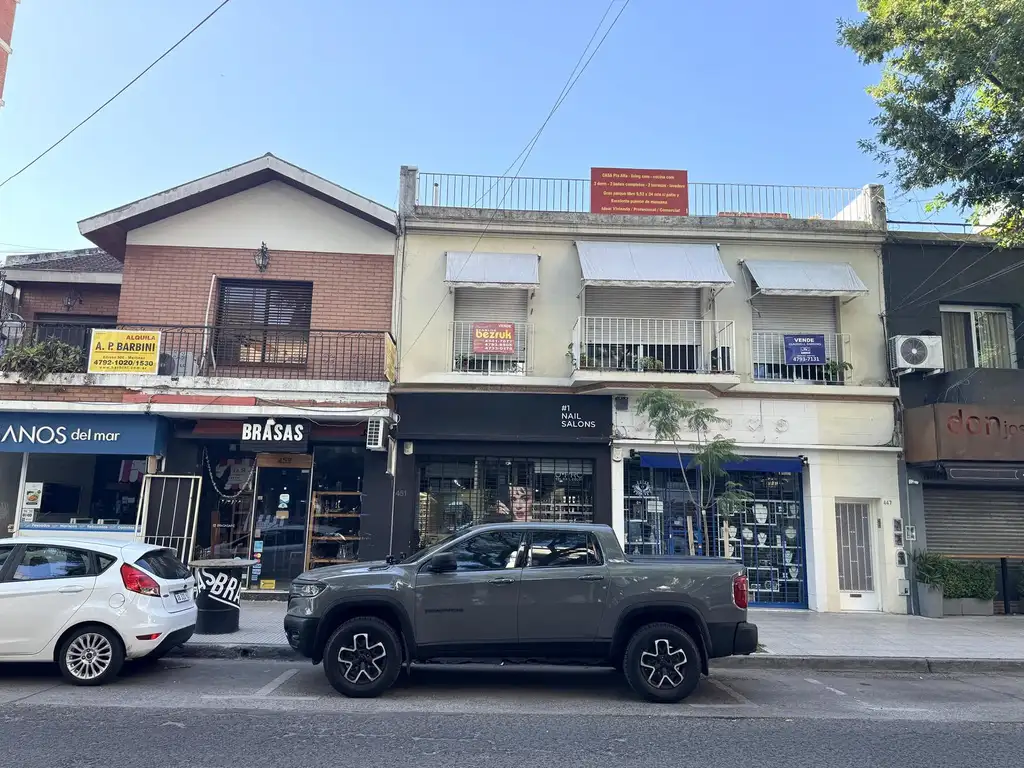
494, 338
639, 192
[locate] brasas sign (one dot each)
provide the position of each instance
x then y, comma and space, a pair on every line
275, 436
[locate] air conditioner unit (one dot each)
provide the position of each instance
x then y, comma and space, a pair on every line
178, 363
915, 353
377, 434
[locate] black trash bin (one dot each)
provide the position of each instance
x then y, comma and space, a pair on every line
218, 588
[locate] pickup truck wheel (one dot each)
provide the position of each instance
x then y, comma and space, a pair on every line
662, 663
363, 657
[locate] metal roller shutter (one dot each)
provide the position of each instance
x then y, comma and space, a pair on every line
775, 316
962, 521
491, 304
667, 303
795, 314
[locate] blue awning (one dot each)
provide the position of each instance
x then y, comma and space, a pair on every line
748, 464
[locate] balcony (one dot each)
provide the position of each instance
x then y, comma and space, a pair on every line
552, 195
613, 348
233, 352
491, 348
772, 363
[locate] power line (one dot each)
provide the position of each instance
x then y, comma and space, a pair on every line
100, 108
530, 146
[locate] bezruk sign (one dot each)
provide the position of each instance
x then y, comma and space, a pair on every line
275, 436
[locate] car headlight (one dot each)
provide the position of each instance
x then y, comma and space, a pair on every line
307, 588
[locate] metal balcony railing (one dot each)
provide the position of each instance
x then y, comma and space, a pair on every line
258, 352
771, 363
455, 190
496, 348
653, 345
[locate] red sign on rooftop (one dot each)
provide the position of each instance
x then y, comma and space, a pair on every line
639, 192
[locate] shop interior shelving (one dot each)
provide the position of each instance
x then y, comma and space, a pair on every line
333, 530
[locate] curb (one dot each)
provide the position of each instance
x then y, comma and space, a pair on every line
757, 661
254, 651
917, 665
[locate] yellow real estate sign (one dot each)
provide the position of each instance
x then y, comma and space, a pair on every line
124, 351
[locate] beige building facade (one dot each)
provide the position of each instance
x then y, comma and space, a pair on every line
772, 318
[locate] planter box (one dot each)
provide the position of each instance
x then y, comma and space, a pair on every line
952, 607
974, 607
929, 599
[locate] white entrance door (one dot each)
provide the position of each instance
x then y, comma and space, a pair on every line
854, 540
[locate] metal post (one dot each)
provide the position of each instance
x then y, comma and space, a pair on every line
21, 493
1004, 572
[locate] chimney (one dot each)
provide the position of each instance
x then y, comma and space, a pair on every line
6, 30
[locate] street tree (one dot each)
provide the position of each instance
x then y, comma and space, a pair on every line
705, 456
951, 99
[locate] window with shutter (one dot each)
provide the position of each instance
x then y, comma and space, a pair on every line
263, 322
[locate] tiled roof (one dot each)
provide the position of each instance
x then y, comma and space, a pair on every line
81, 260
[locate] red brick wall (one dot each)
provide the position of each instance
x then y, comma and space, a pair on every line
171, 286
71, 394
48, 298
6, 30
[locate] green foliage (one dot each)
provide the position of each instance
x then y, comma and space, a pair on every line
836, 370
929, 567
958, 578
669, 413
951, 100
39, 360
651, 364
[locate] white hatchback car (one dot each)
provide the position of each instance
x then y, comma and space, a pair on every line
89, 605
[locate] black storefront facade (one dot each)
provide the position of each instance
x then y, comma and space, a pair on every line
473, 458
963, 423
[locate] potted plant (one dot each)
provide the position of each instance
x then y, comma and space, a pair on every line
981, 589
462, 362
836, 370
573, 362
928, 568
651, 364
955, 587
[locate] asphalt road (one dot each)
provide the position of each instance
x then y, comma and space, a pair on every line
237, 714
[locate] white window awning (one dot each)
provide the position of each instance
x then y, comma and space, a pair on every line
805, 278
492, 270
665, 265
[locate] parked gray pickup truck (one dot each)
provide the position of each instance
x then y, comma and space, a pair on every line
535, 591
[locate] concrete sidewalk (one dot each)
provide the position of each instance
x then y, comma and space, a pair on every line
803, 639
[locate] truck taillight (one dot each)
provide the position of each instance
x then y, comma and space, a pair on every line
739, 591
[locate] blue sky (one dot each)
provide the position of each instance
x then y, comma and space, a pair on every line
731, 90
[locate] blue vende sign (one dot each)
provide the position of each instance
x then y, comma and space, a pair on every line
120, 434
807, 349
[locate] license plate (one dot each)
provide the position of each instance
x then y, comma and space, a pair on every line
181, 597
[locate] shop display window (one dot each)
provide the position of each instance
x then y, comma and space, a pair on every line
456, 492
766, 532
79, 489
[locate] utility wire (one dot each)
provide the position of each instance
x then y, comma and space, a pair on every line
528, 149
100, 108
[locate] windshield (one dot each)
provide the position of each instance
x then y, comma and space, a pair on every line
429, 551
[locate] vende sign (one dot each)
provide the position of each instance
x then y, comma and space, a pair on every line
639, 192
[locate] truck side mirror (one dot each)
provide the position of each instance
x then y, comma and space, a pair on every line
444, 562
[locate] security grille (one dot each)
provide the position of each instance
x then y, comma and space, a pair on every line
853, 534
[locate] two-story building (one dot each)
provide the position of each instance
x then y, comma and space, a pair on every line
210, 372
528, 325
955, 310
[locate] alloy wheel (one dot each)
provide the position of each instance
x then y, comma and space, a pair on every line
362, 661
663, 665
88, 656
